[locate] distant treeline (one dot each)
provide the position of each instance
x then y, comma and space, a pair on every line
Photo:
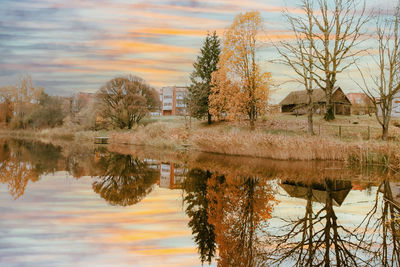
121, 102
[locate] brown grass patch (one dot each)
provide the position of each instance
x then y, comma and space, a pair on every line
256, 143
159, 134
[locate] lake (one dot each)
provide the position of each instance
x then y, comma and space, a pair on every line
85, 205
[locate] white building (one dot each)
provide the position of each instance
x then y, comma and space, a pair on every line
173, 100
395, 107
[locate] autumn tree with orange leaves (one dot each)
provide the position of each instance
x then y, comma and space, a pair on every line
239, 87
239, 208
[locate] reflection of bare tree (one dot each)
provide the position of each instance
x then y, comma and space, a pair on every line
124, 180
380, 229
239, 209
317, 239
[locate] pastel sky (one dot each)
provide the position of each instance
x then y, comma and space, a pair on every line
77, 45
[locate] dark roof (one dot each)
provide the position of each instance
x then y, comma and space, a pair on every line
301, 97
320, 196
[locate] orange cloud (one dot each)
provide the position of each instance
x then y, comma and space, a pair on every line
171, 31
165, 251
127, 47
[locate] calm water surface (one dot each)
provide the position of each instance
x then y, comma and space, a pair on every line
76, 205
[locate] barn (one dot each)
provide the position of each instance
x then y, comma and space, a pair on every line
296, 102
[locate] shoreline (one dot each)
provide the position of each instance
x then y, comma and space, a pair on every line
232, 140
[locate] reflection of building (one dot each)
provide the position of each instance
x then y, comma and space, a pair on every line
154, 164
171, 176
339, 190
173, 100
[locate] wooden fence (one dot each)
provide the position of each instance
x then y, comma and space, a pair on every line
348, 131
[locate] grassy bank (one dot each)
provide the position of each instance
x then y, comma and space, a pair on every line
50, 134
266, 141
280, 137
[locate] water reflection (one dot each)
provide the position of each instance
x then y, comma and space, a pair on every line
239, 210
234, 205
381, 235
197, 209
22, 161
317, 238
123, 180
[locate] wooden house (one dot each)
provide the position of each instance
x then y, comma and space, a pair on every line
296, 102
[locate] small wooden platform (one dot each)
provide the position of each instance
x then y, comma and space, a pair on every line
101, 140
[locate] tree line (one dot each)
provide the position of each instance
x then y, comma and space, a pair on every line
120, 103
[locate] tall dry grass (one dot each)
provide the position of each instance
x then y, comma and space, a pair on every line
260, 144
59, 133
158, 134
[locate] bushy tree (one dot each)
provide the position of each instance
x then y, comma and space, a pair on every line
48, 112
200, 88
6, 104
25, 98
239, 87
124, 101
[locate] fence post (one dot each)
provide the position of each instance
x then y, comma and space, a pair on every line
369, 132
319, 129
340, 132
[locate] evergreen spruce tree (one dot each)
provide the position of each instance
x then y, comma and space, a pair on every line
204, 66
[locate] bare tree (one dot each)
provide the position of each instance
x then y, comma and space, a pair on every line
386, 83
299, 55
326, 38
339, 27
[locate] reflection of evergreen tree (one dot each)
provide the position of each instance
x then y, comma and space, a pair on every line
124, 180
197, 209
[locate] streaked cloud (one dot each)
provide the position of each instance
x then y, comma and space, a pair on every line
75, 45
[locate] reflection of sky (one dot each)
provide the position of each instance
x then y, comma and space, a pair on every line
76, 45
60, 221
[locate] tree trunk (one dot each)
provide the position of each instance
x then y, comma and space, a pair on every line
252, 116
330, 113
209, 118
310, 122
385, 131
310, 113
252, 123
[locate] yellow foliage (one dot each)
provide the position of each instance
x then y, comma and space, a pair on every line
239, 207
239, 88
